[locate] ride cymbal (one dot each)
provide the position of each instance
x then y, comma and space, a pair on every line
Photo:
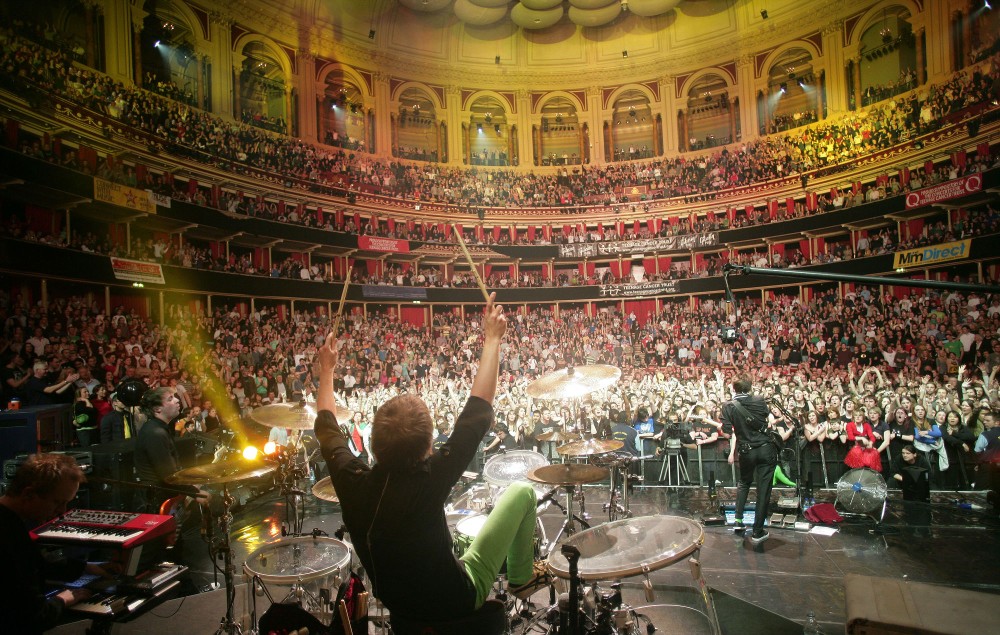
589, 446
573, 381
293, 416
568, 474
219, 473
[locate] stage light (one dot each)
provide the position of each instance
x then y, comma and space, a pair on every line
250, 453
270, 447
497, 60
371, 34
156, 44
763, 13
987, 5
625, 53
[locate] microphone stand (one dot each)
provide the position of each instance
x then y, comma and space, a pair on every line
796, 431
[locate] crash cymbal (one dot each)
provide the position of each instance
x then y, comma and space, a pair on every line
588, 447
217, 473
573, 381
293, 416
323, 489
556, 436
568, 474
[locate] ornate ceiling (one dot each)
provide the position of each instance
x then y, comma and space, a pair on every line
536, 44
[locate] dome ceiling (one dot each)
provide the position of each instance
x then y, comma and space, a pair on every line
541, 14
536, 43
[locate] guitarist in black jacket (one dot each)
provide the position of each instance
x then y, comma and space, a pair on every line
748, 414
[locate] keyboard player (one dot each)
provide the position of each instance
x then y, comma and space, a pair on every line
41, 489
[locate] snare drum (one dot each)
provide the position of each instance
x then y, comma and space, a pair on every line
629, 547
469, 527
466, 531
306, 563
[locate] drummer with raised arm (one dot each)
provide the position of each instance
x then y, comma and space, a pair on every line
394, 510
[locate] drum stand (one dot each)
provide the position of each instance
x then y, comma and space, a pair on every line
227, 626
288, 476
617, 505
568, 527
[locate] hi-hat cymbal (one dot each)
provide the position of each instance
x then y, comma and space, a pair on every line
323, 489
293, 416
573, 381
589, 446
556, 436
218, 473
568, 474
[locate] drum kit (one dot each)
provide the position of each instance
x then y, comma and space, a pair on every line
312, 566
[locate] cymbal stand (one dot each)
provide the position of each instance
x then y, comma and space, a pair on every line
617, 506
568, 527
289, 473
227, 626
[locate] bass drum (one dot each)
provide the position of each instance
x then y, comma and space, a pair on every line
308, 568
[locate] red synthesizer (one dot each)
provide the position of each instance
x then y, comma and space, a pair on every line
95, 528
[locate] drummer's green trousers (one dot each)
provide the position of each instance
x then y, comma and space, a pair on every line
508, 533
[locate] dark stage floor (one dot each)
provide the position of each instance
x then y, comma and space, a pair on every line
791, 574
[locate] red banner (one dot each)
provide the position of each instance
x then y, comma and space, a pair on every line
945, 191
374, 243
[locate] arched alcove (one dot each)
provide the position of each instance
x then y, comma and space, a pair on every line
263, 88
558, 137
417, 133
343, 122
489, 133
791, 99
169, 64
888, 53
632, 127
709, 120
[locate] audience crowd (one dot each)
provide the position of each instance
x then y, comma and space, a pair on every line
203, 136
924, 361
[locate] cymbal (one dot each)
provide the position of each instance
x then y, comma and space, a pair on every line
555, 436
218, 473
573, 381
590, 446
323, 489
293, 416
567, 474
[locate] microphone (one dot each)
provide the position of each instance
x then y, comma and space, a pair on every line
548, 497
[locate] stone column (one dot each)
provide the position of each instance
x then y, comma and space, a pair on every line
668, 132
306, 115
226, 66
731, 105
682, 121
382, 106
835, 80
523, 145
857, 83
119, 42
595, 114
745, 82
453, 114
90, 10
921, 58
137, 52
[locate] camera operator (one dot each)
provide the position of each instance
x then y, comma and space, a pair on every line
749, 415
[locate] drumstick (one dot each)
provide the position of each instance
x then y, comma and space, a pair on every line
340, 307
345, 618
472, 265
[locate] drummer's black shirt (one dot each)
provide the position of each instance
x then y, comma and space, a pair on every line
397, 523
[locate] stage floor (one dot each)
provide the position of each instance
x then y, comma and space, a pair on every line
791, 574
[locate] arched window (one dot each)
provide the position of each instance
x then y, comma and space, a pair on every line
344, 114
888, 57
263, 89
709, 119
489, 133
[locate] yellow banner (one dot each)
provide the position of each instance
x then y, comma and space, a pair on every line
123, 196
933, 254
